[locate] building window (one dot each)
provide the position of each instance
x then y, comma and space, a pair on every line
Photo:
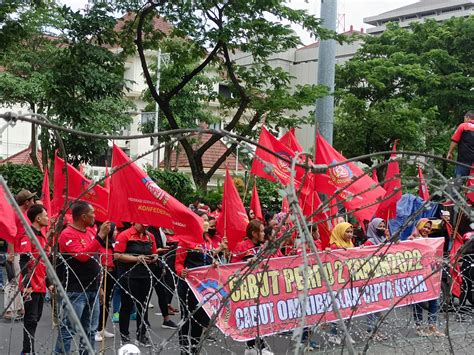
146, 117
452, 9
217, 125
224, 91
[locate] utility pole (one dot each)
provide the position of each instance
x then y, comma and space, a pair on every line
156, 141
324, 114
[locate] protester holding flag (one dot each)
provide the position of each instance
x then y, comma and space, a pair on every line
250, 246
25, 200
189, 256
423, 229
134, 250
108, 283
34, 280
245, 250
81, 274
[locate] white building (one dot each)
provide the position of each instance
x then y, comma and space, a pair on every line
301, 63
439, 10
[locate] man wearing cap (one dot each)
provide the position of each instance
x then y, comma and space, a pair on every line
25, 200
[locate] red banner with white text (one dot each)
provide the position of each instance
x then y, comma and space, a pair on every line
364, 280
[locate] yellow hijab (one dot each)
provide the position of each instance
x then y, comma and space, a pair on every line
337, 236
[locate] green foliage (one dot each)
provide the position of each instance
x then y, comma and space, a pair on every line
22, 177
63, 68
413, 84
175, 183
268, 192
192, 104
202, 40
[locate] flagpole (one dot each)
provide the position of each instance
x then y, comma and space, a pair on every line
104, 301
247, 186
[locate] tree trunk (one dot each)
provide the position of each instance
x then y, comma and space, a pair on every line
167, 158
201, 181
34, 147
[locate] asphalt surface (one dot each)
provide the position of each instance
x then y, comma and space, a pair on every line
399, 329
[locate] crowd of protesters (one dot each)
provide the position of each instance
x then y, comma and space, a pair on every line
136, 259
100, 262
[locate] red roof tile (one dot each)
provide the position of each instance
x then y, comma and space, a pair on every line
209, 158
22, 157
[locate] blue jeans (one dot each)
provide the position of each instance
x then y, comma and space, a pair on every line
460, 171
433, 307
86, 306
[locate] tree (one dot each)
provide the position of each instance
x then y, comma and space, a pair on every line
225, 27
414, 84
63, 67
193, 104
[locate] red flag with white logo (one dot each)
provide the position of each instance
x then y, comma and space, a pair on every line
356, 196
135, 197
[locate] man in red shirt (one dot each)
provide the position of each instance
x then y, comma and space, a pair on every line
34, 279
81, 274
25, 200
463, 138
134, 249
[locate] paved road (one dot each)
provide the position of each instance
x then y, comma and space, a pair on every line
400, 328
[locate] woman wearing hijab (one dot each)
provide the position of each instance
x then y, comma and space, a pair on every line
376, 232
341, 238
423, 229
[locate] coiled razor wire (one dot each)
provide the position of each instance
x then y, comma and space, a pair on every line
396, 323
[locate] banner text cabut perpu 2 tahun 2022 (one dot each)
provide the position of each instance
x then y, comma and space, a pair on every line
365, 280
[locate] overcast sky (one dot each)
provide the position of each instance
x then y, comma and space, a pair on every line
354, 10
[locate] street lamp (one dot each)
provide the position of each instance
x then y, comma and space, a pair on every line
159, 58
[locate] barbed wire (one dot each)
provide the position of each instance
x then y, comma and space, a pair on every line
351, 327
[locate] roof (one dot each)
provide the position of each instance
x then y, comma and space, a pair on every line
418, 7
22, 157
210, 156
159, 23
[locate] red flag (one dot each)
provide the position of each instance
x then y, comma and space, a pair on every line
81, 168
45, 193
311, 203
107, 177
233, 220
423, 187
454, 260
98, 197
374, 175
7, 222
339, 177
393, 187
289, 139
281, 168
255, 203
134, 197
